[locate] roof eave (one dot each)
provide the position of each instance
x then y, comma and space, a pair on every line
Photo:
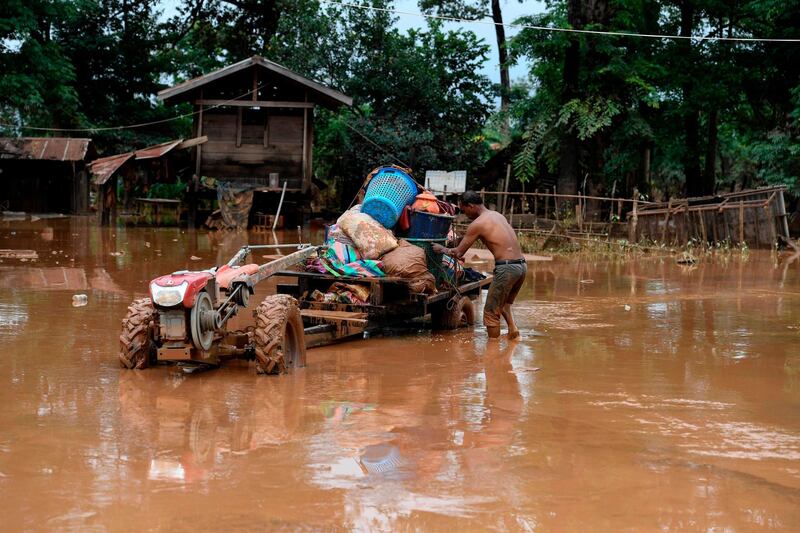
182, 92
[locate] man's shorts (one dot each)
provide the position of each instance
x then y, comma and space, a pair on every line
507, 282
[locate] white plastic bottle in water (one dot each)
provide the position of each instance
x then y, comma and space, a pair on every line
79, 300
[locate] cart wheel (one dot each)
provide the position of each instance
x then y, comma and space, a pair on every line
136, 341
461, 314
279, 337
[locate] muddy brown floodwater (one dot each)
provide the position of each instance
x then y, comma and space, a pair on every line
642, 396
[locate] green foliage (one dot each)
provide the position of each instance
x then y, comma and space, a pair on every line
632, 111
167, 190
640, 112
587, 117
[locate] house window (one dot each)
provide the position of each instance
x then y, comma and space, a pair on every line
253, 126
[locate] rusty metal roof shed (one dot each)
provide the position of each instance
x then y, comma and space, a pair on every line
105, 167
153, 152
102, 169
46, 148
331, 98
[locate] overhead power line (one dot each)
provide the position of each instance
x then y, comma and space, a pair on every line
555, 29
140, 125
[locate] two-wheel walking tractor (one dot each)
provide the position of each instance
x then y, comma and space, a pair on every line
186, 318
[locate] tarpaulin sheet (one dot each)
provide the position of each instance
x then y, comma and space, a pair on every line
234, 204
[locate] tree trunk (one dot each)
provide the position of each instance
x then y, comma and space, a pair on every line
691, 119
505, 81
569, 151
709, 174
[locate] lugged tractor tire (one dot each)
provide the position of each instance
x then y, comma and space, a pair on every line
462, 314
278, 336
136, 341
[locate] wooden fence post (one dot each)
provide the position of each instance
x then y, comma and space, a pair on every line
741, 222
666, 222
555, 203
546, 204
505, 189
634, 217
783, 216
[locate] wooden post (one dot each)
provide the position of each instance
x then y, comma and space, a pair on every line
191, 191
757, 227
199, 151
714, 223
782, 215
611, 207
741, 222
238, 127
703, 227
505, 188
280, 205
634, 217
772, 222
546, 204
666, 222
536, 204
555, 203
305, 153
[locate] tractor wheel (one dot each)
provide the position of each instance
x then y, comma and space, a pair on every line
461, 314
278, 335
136, 341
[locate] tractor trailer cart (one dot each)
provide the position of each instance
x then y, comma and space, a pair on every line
185, 320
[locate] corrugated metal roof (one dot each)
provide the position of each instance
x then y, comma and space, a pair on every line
44, 148
329, 97
152, 152
102, 169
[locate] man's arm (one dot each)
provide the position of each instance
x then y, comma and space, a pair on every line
473, 233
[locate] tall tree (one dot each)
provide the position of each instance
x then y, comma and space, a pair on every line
36, 77
475, 10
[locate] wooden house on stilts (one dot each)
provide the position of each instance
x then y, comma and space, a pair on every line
259, 120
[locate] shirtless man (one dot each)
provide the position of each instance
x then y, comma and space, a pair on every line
510, 269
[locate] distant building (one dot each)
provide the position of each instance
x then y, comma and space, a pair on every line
44, 174
259, 119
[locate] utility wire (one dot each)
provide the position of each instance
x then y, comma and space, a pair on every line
378, 146
140, 125
555, 29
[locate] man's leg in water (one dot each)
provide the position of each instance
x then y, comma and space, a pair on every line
496, 296
513, 331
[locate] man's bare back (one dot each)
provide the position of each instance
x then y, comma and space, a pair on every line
494, 231
497, 234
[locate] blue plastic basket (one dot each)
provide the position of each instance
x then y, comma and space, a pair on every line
389, 191
429, 225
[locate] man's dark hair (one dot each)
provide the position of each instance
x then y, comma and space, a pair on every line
471, 198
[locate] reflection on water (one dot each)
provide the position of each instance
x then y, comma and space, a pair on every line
653, 397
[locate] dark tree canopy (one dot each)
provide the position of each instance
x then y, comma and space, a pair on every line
669, 117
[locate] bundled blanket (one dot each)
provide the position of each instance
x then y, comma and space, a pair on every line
370, 238
342, 258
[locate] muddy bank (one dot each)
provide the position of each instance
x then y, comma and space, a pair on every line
643, 395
